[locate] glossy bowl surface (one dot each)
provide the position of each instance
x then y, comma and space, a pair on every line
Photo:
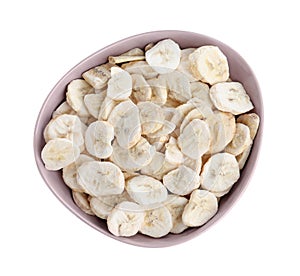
239, 71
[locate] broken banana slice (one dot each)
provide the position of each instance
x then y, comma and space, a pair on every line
230, 97
146, 190
251, 120
201, 207
220, 172
98, 77
181, 181
164, 57
81, 200
209, 64
125, 219
59, 153
241, 140
100, 178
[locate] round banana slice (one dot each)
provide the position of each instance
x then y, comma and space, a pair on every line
125, 119
220, 172
98, 76
230, 97
141, 68
103, 205
100, 178
185, 66
65, 126
98, 139
209, 64
81, 200
146, 190
159, 91
125, 219
135, 158
243, 157
141, 89
194, 141
59, 153
222, 129
106, 108
202, 206
151, 117
178, 85
63, 108
69, 172
76, 91
181, 181
119, 87
241, 140
173, 154
175, 205
251, 120
164, 57
157, 222
200, 91
93, 103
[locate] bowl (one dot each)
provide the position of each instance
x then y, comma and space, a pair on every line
239, 71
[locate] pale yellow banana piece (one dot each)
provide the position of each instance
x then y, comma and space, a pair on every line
124, 58
243, 157
93, 103
98, 77
141, 89
193, 164
141, 68
185, 66
81, 200
106, 108
173, 154
119, 87
159, 91
63, 108
200, 91
251, 120
241, 140
201, 207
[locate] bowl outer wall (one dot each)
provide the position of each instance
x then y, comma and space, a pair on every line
239, 71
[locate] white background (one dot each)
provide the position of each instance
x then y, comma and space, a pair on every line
42, 40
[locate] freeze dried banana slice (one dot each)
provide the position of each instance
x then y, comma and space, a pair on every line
200, 91
76, 91
243, 157
173, 154
106, 108
126, 122
159, 142
81, 200
135, 158
159, 91
157, 222
69, 172
100, 178
63, 108
193, 164
154, 166
65, 126
98, 139
194, 141
220, 172
141, 68
209, 64
178, 86
230, 97
151, 117
251, 120
181, 181
119, 87
124, 58
180, 113
103, 205
175, 205
146, 190
222, 129
185, 66
202, 206
93, 103
98, 77
59, 153
141, 89
125, 219
241, 140
164, 57
167, 128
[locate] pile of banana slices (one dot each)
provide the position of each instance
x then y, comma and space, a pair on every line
150, 140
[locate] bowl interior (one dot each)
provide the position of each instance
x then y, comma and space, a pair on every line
239, 71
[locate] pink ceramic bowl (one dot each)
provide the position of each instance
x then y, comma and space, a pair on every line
239, 71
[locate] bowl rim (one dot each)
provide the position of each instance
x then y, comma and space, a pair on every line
180, 238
